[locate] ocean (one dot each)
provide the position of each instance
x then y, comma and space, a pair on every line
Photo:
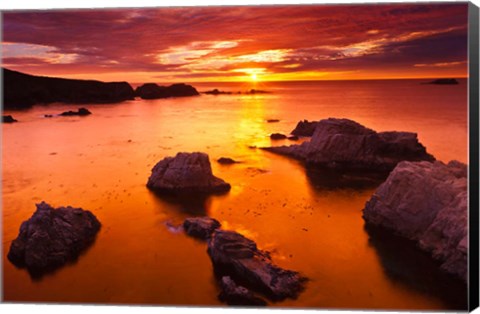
102, 162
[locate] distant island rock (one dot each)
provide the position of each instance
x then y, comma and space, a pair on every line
52, 237
343, 144
23, 90
79, 112
220, 92
217, 92
8, 119
186, 173
238, 257
444, 81
154, 91
427, 203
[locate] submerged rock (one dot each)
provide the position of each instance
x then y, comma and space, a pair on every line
273, 120
426, 202
52, 237
277, 136
200, 227
234, 255
305, 128
8, 119
226, 161
154, 91
186, 173
80, 112
344, 144
232, 294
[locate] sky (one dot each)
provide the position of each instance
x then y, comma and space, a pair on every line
240, 43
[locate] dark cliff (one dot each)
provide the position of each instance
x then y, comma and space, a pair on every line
23, 90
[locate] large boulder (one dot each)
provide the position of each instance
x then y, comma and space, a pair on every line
52, 237
23, 90
426, 202
186, 173
343, 144
200, 227
154, 91
234, 255
232, 294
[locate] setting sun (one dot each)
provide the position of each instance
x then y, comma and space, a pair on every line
254, 77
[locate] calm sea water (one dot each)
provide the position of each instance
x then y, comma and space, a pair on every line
102, 162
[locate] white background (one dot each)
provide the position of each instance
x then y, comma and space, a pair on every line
46, 4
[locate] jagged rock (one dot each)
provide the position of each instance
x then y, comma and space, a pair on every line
344, 144
232, 294
154, 91
200, 227
305, 128
80, 112
226, 161
52, 237
23, 90
186, 173
277, 136
234, 255
426, 202
444, 81
8, 119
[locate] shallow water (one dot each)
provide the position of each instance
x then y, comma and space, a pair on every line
101, 163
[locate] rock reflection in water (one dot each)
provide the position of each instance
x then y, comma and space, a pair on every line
404, 263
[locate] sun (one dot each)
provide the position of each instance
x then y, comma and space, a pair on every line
254, 77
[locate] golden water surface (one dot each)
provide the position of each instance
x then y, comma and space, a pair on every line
102, 162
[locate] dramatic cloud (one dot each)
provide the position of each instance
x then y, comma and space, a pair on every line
235, 43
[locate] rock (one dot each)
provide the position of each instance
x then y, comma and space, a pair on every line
232, 294
293, 138
305, 128
48, 116
52, 237
346, 145
24, 90
8, 119
80, 112
200, 227
217, 92
426, 202
444, 81
273, 120
234, 255
154, 91
226, 161
277, 136
256, 91
186, 173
